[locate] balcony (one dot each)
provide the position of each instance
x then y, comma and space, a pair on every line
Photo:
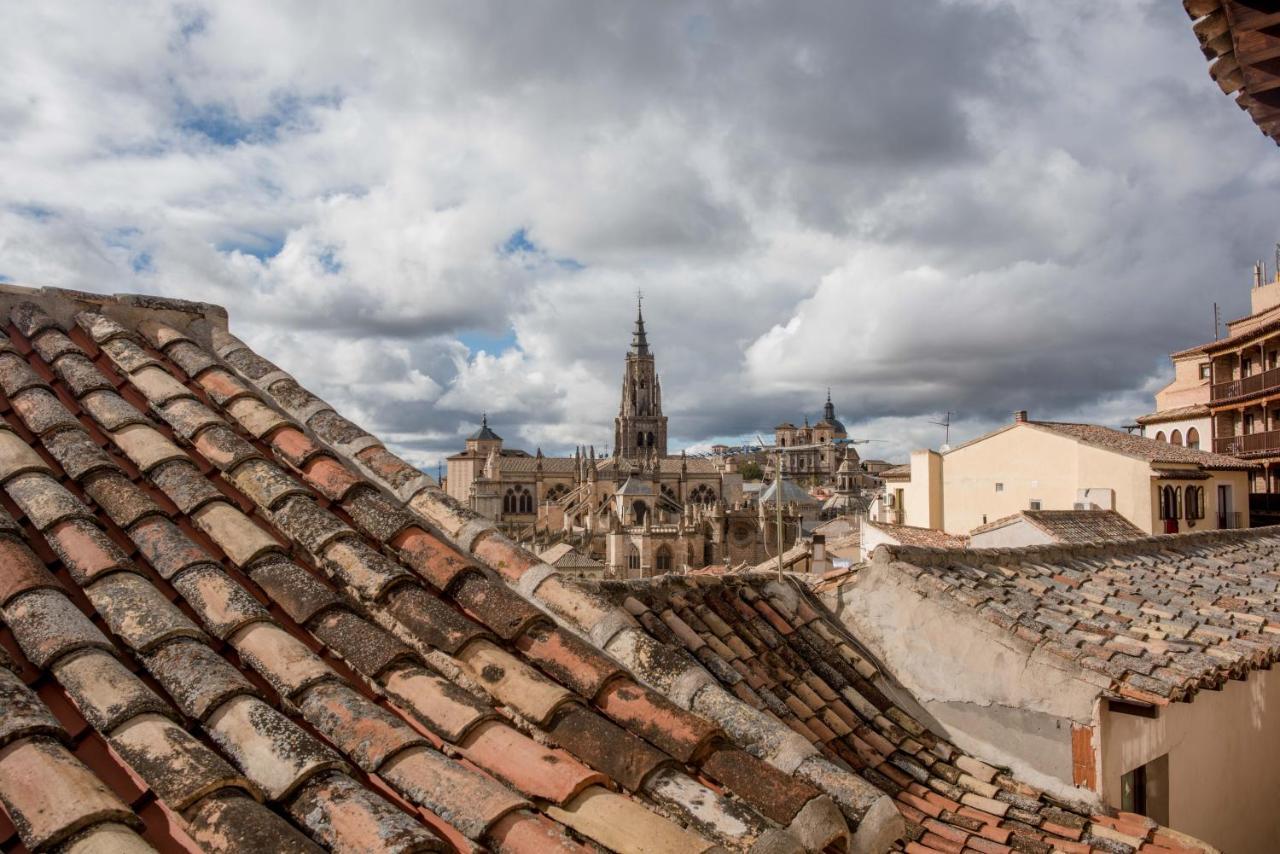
1264, 503
1268, 380
1230, 520
1252, 445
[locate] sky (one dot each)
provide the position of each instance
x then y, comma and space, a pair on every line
426, 211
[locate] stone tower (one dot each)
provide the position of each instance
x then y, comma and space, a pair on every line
640, 428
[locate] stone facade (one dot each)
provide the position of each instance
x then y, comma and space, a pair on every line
640, 511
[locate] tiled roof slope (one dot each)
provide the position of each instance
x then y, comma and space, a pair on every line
674, 694
1140, 446
910, 535
1194, 410
781, 651
227, 638
1162, 617
1071, 526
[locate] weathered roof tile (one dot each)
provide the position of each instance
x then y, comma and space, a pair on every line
104, 691
177, 767
44, 501
360, 729
277, 756
138, 613
198, 679
22, 714
47, 625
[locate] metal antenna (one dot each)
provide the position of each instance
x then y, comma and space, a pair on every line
1216, 322
945, 423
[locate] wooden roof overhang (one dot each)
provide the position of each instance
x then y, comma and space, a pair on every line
1241, 40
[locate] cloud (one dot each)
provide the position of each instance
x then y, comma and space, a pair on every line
966, 205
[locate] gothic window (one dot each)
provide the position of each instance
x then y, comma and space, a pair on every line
633, 557
640, 439
640, 510
517, 500
649, 439
662, 560
702, 494
1170, 502
557, 492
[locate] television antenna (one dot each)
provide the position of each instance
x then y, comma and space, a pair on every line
945, 423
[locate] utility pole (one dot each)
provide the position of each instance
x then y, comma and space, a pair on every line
777, 500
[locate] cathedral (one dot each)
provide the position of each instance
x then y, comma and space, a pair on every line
636, 512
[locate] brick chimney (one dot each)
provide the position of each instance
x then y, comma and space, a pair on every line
1020, 417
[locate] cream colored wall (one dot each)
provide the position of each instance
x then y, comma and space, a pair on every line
1187, 388
1017, 533
1204, 426
460, 474
922, 497
1033, 463
1224, 777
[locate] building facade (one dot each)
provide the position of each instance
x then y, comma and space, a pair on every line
637, 512
1229, 391
1043, 465
814, 453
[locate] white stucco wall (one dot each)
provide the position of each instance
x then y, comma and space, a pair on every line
993, 694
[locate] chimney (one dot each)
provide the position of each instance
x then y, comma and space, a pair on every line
1020, 417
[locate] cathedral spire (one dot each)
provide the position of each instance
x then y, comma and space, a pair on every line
639, 343
829, 411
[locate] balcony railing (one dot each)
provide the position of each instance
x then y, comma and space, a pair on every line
1264, 502
1253, 384
1248, 445
1230, 520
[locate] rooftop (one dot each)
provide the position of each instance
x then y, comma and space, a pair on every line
1072, 526
1241, 39
778, 648
909, 535
1162, 617
1195, 410
229, 623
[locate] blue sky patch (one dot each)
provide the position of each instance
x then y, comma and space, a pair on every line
264, 247
222, 124
493, 344
520, 244
36, 212
329, 260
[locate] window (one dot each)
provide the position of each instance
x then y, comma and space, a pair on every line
702, 494
557, 492
1145, 790
633, 557
1171, 502
640, 509
1195, 502
1035, 504
999, 487
662, 560
1204, 371
1175, 438
1193, 438
517, 500
1160, 436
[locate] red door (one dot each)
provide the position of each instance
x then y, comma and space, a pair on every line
1171, 526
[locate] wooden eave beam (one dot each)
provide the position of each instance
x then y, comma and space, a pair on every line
1200, 8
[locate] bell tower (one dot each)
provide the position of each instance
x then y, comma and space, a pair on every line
640, 428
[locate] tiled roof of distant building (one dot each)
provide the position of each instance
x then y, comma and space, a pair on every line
909, 535
1140, 446
1163, 617
1195, 410
228, 625
1071, 526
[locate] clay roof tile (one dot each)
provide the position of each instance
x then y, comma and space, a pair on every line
104, 691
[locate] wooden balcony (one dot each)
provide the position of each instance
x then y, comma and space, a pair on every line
1252, 445
1264, 503
1260, 383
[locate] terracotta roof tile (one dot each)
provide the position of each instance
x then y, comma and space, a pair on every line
362, 569
360, 729
50, 796
284, 660
175, 765
84, 550
197, 678
447, 710
111, 411
353, 820
234, 532
81, 375
297, 592
265, 484
367, 648
47, 626
469, 802
145, 446
105, 692
224, 607
229, 821
42, 412
138, 613
23, 571
255, 416
276, 756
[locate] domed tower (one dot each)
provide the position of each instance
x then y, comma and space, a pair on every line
640, 428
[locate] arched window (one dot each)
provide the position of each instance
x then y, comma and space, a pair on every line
640, 439
702, 494
649, 439
1160, 436
633, 557
556, 492
517, 500
640, 509
782, 443
662, 559
1193, 439
1175, 438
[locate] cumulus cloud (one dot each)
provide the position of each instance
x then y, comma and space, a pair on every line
964, 205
